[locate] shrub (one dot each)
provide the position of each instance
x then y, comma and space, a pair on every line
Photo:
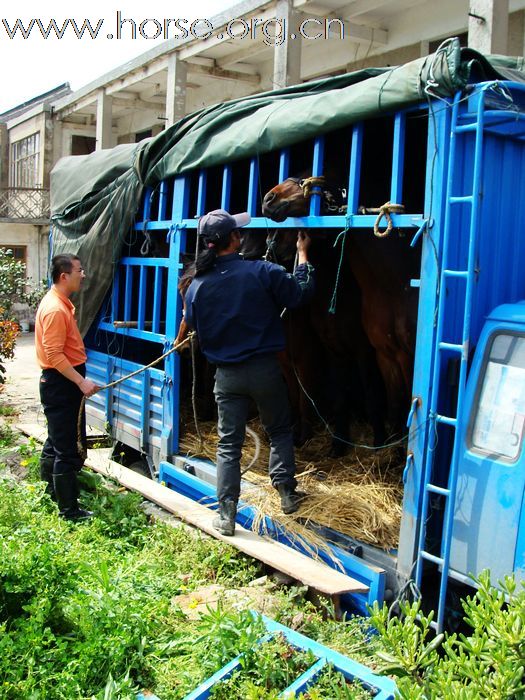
15, 288
9, 332
489, 662
85, 613
13, 283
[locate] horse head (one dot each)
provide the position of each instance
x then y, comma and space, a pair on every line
286, 199
292, 197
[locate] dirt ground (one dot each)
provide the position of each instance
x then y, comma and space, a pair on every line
21, 388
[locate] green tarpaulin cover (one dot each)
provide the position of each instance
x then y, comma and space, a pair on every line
94, 198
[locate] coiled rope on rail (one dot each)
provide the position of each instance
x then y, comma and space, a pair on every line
384, 211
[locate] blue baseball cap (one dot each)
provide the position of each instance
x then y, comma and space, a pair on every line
219, 223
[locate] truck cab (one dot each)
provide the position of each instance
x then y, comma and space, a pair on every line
489, 517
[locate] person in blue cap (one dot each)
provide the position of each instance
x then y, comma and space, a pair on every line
235, 307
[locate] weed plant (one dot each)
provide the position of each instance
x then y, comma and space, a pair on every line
331, 684
8, 411
8, 437
489, 662
264, 671
86, 611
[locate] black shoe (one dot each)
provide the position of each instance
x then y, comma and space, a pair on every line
46, 474
225, 522
78, 514
66, 489
290, 498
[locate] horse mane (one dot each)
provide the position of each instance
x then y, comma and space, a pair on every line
186, 278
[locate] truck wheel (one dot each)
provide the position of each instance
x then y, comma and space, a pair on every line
140, 467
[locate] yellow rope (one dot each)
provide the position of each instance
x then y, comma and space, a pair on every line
80, 447
385, 210
308, 183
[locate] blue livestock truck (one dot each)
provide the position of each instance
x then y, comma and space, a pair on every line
455, 159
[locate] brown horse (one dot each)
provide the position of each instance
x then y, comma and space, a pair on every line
382, 269
329, 351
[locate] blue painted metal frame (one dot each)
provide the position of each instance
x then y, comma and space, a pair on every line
134, 406
441, 347
143, 313
419, 429
460, 299
156, 219
471, 119
199, 490
382, 687
144, 309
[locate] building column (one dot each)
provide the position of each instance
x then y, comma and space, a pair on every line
176, 89
104, 118
47, 151
488, 28
287, 52
4, 157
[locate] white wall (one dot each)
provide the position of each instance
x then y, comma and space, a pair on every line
137, 121
35, 238
70, 130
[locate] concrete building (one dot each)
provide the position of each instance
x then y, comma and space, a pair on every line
254, 46
27, 153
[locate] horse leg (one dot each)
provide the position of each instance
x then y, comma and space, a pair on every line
301, 427
395, 392
374, 391
339, 385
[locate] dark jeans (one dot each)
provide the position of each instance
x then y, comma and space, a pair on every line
258, 378
61, 400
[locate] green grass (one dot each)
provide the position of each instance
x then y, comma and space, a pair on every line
88, 605
88, 610
8, 437
7, 410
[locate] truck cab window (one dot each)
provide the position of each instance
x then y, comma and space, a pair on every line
498, 416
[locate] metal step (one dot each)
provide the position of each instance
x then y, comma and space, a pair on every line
446, 420
440, 490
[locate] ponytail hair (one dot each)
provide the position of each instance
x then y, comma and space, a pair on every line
205, 260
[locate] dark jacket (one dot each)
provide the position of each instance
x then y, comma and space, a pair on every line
235, 307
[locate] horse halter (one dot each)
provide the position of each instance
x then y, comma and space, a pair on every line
270, 247
332, 198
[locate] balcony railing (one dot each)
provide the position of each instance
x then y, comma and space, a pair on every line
24, 204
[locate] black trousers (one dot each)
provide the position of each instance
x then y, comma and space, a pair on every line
61, 400
258, 378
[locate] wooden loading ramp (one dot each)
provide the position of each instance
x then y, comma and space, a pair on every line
311, 573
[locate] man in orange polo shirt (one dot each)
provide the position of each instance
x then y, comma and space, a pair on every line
61, 355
